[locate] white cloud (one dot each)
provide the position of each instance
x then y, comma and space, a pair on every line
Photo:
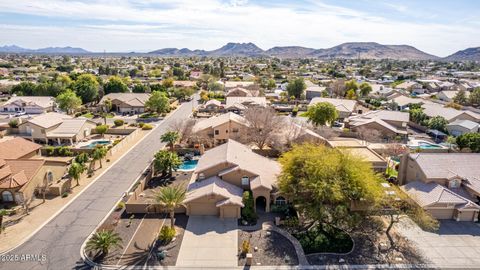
207, 24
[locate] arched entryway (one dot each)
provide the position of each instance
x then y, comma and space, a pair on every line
261, 204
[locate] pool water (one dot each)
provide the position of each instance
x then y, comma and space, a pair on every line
423, 145
95, 143
188, 165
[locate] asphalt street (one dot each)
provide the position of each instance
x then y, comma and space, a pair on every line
59, 242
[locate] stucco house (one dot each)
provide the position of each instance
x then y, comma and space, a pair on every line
450, 114
447, 185
28, 104
459, 127
57, 128
238, 92
345, 107
221, 128
390, 124
222, 175
131, 103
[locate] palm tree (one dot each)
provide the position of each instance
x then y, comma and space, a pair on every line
170, 138
166, 162
106, 107
98, 154
103, 241
75, 171
171, 197
3, 212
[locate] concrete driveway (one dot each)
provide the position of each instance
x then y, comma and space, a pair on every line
456, 244
209, 242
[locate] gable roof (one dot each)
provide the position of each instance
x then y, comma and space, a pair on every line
40, 101
17, 172
445, 165
131, 99
239, 89
48, 120
261, 101
69, 127
342, 105
215, 186
17, 148
215, 121
427, 194
242, 156
434, 109
464, 123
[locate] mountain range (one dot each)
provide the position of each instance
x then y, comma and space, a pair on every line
351, 50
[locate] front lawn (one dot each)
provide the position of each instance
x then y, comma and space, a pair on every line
148, 115
88, 115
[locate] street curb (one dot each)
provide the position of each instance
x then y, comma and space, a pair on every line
86, 187
75, 197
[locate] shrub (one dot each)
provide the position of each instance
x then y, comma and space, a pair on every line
248, 213
119, 122
82, 158
117, 141
245, 247
147, 127
64, 194
64, 151
140, 124
13, 123
50, 150
120, 205
166, 234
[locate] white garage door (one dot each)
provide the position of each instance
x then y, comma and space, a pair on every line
441, 213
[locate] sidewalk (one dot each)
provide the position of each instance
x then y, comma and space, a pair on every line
19, 232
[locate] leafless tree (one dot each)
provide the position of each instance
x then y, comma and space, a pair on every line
326, 132
263, 124
183, 128
369, 135
337, 88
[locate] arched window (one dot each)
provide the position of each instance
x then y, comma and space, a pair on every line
245, 181
280, 201
7, 196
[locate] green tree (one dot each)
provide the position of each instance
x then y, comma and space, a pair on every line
115, 84
248, 210
322, 113
167, 83
271, 84
323, 183
171, 197
24, 89
474, 97
460, 97
75, 171
418, 116
106, 108
296, 87
351, 94
170, 138
86, 87
140, 88
469, 140
166, 162
215, 86
103, 241
438, 123
365, 89
101, 129
68, 101
158, 102
351, 85
99, 153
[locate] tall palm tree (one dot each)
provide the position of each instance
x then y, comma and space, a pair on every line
106, 107
75, 171
166, 162
98, 154
103, 241
170, 137
171, 197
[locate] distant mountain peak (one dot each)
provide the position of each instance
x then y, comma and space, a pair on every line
52, 50
469, 54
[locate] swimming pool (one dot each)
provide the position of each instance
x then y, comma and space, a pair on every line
188, 165
94, 144
424, 145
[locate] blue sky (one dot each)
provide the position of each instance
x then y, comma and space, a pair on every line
439, 27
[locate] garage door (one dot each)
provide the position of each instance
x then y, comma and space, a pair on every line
230, 211
441, 213
203, 209
466, 215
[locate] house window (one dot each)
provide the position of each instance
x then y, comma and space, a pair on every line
245, 181
454, 183
49, 177
235, 130
217, 132
280, 201
7, 196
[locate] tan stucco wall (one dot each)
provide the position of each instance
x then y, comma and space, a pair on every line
204, 206
230, 211
58, 169
235, 177
36, 131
